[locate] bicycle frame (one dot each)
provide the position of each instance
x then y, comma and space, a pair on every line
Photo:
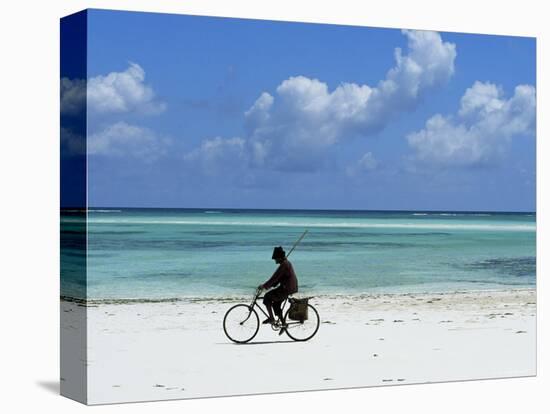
254, 304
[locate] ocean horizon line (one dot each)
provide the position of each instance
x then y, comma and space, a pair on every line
237, 209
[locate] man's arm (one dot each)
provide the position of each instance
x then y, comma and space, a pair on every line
273, 280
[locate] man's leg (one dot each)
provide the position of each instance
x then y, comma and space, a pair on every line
279, 311
277, 299
268, 302
277, 308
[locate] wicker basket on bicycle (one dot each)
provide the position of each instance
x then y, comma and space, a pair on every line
298, 309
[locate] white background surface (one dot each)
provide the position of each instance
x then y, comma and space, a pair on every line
29, 194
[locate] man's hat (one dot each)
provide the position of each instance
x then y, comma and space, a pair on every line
278, 253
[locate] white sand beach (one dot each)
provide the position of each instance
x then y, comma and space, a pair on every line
173, 350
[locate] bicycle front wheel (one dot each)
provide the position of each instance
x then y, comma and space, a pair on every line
241, 323
303, 330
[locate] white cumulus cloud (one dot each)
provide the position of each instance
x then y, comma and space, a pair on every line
293, 128
116, 92
73, 96
122, 92
481, 131
72, 143
122, 139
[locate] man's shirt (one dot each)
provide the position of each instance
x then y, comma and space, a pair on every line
285, 276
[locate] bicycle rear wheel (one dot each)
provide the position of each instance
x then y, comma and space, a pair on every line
241, 323
303, 330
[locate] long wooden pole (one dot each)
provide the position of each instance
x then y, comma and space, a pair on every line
297, 241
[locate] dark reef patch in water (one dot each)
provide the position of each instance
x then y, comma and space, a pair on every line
176, 274
334, 245
181, 244
115, 233
355, 234
512, 266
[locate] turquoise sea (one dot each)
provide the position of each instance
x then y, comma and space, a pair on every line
178, 253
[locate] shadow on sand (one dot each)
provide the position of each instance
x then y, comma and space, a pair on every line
258, 343
51, 386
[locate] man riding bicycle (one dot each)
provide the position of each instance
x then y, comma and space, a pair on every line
287, 283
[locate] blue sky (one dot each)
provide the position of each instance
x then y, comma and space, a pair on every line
187, 111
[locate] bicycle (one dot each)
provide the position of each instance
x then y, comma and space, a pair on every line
241, 322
